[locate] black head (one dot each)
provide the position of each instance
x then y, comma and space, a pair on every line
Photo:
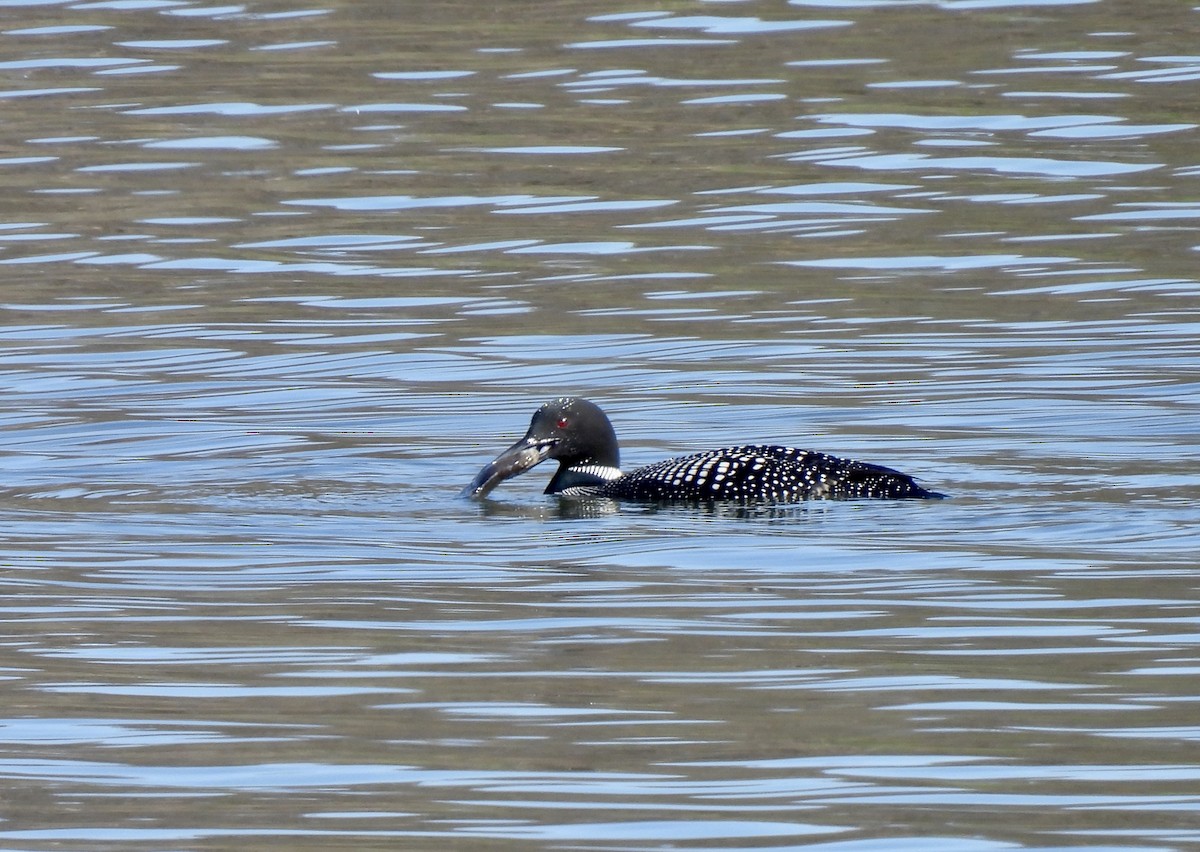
571, 430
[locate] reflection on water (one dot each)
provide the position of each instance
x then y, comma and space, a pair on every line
279, 280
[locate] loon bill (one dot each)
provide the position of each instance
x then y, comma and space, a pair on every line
579, 436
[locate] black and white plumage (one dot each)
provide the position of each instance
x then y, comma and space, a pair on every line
580, 437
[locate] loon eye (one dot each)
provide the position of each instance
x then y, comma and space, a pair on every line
562, 422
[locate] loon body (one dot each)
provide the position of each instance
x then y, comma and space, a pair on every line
580, 437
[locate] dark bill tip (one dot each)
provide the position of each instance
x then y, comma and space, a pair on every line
514, 461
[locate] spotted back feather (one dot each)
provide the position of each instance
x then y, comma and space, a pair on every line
757, 473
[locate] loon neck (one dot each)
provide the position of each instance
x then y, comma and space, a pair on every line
582, 476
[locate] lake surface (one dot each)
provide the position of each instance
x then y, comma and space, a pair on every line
276, 280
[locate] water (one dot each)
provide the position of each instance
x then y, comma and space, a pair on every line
278, 280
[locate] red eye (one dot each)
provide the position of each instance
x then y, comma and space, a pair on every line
562, 423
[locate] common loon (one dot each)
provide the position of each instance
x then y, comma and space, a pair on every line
579, 436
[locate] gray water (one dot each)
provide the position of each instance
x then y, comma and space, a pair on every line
276, 280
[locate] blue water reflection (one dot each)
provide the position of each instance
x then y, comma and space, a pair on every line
281, 279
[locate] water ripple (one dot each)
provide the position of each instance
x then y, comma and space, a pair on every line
243, 391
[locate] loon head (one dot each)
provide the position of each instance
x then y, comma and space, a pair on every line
574, 432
